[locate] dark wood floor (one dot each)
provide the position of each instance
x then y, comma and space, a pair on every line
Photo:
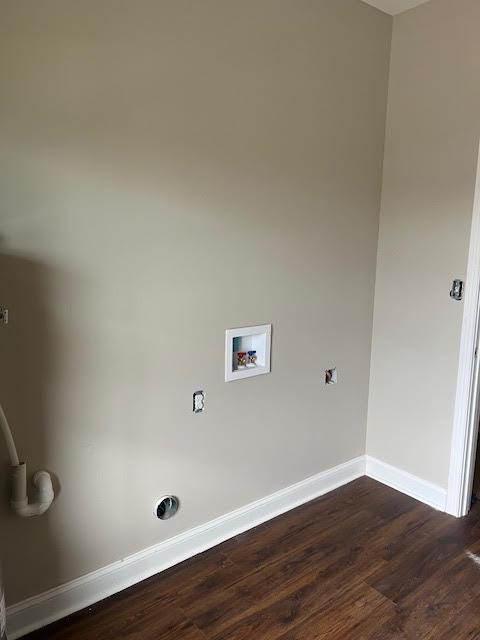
363, 562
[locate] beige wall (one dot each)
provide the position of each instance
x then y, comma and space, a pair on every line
433, 127
168, 170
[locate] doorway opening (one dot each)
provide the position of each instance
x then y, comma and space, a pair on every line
476, 475
467, 406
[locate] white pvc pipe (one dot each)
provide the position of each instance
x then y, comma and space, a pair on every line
18, 471
19, 498
7, 432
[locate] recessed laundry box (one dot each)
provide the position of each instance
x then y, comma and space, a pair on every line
247, 351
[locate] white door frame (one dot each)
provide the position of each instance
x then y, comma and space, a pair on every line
466, 413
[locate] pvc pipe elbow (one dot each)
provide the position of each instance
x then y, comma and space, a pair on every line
19, 498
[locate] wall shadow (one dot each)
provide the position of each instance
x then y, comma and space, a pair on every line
27, 547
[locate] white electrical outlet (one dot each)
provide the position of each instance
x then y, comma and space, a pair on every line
198, 401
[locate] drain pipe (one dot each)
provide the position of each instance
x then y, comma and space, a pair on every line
18, 476
19, 498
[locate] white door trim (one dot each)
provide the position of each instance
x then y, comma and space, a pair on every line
465, 421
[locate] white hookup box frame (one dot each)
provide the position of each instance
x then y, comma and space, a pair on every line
245, 339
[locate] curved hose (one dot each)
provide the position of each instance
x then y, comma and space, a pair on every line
7, 432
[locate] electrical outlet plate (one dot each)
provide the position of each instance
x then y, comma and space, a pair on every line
198, 401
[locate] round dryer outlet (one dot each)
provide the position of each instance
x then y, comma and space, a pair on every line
167, 507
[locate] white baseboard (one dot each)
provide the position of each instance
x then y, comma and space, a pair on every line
407, 483
61, 601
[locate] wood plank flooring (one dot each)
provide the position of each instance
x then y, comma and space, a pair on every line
361, 563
